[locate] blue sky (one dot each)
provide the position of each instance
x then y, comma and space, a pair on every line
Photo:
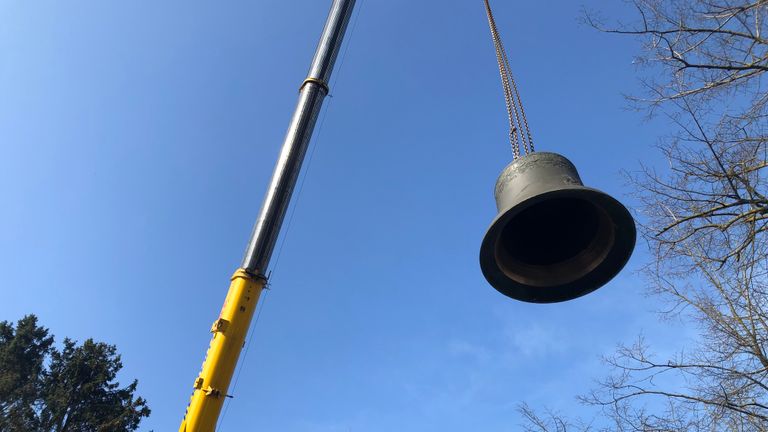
137, 138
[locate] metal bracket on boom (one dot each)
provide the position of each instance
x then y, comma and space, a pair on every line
212, 392
323, 85
219, 326
209, 391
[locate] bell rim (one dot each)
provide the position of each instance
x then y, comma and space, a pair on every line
625, 233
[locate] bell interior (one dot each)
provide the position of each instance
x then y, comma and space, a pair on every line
554, 242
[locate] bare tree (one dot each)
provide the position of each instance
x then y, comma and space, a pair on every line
550, 421
705, 219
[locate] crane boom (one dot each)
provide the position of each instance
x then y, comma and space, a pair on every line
230, 329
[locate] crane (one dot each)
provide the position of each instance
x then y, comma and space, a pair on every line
540, 197
248, 281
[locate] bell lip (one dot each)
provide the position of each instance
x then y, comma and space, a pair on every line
624, 244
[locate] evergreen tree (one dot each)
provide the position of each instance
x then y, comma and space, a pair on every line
46, 389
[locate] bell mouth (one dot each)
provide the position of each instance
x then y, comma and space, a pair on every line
557, 245
554, 242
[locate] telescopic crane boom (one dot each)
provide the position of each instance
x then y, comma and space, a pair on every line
231, 327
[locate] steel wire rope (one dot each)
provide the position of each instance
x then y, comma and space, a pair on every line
512, 96
512, 111
519, 132
508, 100
527, 129
292, 212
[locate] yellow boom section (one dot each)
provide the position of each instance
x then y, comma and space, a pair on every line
228, 338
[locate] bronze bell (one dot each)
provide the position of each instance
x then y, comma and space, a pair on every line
554, 239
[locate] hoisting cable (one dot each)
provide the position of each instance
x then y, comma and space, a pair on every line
519, 132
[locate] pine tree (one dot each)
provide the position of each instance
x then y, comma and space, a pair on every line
46, 389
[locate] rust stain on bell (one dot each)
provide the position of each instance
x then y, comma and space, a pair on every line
554, 239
